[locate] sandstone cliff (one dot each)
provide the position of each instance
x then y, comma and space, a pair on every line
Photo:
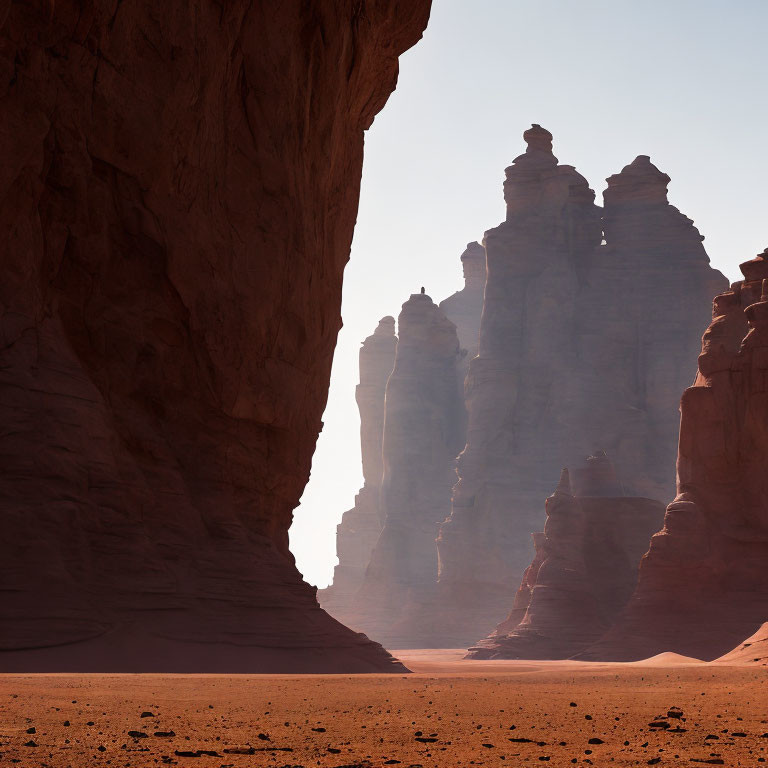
584, 570
359, 529
422, 435
582, 345
703, 585
179, 187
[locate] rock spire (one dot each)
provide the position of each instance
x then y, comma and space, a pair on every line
422, 435
582, 344
359, 529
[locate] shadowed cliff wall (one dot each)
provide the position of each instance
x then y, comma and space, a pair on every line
179, 188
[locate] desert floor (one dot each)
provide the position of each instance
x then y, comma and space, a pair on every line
448, 713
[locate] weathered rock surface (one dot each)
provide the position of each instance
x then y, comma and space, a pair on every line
422, 435
179, 186
359, 529
703, 585
582, 345
584, 570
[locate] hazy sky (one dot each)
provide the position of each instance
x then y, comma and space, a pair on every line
683, 81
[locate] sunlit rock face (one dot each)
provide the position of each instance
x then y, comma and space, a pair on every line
584, 570
423, 432
582, 345
359, 529
179, 190
703, 585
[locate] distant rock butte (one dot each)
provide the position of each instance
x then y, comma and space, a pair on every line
703, 585
584, 570
359, 529
178, 195
581, 345
422, 435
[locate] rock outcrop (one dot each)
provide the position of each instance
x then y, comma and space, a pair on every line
422, 435
584, 570
179, 188
582, 345
703, 585
359, 529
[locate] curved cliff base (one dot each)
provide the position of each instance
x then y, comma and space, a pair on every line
128, 649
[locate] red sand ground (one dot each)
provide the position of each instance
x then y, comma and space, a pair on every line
449, 713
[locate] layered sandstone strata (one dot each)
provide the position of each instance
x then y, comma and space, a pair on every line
359, 529
422, 435
703, 585
584, 570
582, 345
179, 190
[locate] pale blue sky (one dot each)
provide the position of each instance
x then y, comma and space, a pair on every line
683, 81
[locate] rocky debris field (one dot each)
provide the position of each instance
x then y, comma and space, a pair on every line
525, 713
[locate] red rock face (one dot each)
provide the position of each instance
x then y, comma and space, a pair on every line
423, 432
582, 346
703, 585
359, 529
179, 189
584, 570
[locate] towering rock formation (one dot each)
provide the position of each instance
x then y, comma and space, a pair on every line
465, 307
703, 585
178, 193
551, 227
360, 526
584, 570
359, 529
582, 345
646, 297
422, 435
